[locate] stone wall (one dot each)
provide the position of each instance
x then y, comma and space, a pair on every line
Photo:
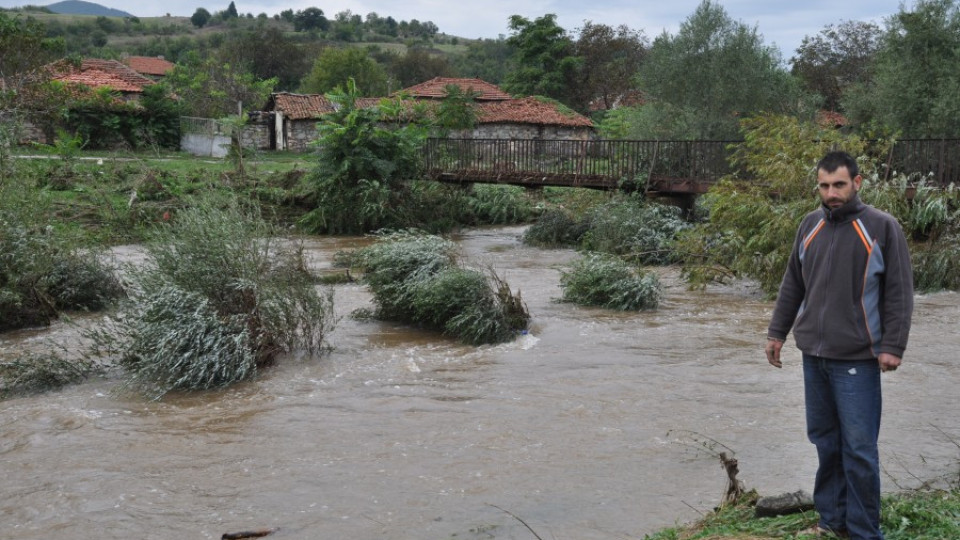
299, 135
524, 132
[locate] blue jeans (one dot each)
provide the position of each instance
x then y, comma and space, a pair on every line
843, 402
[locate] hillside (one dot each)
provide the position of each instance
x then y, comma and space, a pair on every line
79, 7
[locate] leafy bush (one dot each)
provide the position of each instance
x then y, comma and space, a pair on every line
31, 372
43, 271
415, 279
638, 232
607, 281
555, 227
499, 205
221, 294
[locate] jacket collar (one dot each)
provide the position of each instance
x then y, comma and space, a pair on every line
844, 213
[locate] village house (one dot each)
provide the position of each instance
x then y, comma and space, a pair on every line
153, 67
291, 119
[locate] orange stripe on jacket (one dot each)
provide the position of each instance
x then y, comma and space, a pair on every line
813, 234
862, 237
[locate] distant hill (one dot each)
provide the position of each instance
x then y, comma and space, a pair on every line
79, 7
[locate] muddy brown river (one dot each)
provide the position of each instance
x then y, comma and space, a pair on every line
595, 425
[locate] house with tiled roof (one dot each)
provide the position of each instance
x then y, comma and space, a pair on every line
154, 67
293, 117
96, 73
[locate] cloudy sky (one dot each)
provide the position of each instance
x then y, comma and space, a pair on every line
783, 23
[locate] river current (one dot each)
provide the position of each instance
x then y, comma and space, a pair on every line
595, 425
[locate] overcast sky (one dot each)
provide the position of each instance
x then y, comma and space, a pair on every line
783, 23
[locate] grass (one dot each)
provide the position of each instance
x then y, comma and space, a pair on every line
921, 515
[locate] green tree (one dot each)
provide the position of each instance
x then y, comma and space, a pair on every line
916, 86
457, 111
418, 65
200, 17
838, 57
712, 72
24, 47
334, 67
266, 51
610, 59
211, 89
361, 168
487, 59
231, 12
310, 19
545, 61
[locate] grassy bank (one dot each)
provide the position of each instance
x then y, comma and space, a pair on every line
919, 515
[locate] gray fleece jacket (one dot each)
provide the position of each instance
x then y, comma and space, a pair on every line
848, 288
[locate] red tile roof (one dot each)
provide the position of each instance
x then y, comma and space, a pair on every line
96, 73
149, 65
436, 89
831, 119
529, 110
300, 106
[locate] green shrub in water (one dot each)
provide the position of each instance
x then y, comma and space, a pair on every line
415, 279
31, 372
639, 232
499, 205
555, 227
607, 281
221, 294
42, 271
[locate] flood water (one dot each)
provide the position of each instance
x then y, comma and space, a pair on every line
596, 425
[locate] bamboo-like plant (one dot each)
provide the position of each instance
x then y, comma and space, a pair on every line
219, 296
607, 281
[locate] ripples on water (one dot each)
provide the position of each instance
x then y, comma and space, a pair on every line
595, 425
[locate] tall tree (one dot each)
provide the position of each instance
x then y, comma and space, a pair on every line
200, 17
916, 85
334, 67
418, 65
545, 60
310, 19
711, 72
838, 57
487, 59
210, 88
231, 12
610, 59
267, 52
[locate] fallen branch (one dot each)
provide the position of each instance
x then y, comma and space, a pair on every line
248, 534
514, 516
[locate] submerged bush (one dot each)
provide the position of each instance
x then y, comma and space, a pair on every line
607, 281
499, 205
415, 279
642, 233
32, 372
42, 271
555, 227
219, 296
637, 231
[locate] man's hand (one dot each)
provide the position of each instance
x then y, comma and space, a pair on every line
773, 352
888, 362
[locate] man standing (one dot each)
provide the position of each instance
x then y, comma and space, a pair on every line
848, 295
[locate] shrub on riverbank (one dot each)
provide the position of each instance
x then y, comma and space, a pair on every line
415, 279
638, 231
607, 281
43, 271
220, 295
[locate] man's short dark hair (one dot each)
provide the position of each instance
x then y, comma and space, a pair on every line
834, 160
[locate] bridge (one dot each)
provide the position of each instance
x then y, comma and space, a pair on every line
670, 168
